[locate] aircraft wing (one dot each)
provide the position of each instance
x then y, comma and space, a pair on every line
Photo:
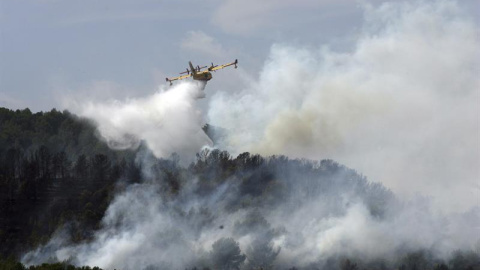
178, 78
224, 66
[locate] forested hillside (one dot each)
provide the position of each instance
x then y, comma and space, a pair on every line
53, 169
58, 180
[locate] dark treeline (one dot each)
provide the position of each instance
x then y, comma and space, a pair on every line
12, 264
56, 175
58, 131
53, 169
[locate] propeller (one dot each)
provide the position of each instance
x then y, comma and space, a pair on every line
212, 66
199, 68
188, 72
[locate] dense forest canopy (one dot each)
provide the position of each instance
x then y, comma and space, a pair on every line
58, 131
53, 168
63, 189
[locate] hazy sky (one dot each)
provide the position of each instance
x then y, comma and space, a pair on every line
118, 48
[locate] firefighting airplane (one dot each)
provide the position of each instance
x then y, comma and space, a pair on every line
198, 74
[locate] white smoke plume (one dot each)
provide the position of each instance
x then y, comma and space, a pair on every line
401, 107
168, 121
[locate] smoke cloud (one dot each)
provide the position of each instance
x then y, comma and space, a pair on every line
300, 219
401, 107
168, 121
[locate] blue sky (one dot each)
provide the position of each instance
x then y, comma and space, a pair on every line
50, 46
127, 48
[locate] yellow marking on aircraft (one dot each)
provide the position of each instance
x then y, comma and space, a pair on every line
198, 74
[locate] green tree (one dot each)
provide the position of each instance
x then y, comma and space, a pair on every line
226, 254
101, 168
81, 167
44, 159
348, 265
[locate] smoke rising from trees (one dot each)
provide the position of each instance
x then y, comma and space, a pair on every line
401, 106
249, 212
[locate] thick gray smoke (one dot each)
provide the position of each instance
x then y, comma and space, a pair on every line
304, 225
168, 121
401, 107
